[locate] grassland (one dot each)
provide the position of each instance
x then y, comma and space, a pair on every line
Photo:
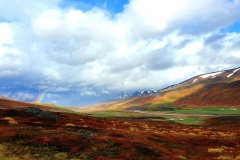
183, 116
208, 110
104, 114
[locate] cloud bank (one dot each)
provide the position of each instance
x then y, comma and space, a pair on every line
150, 44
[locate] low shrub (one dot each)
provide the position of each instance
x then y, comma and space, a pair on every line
70, 125
215, 150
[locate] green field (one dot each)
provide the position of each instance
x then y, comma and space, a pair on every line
104, 114
183, 119
209, 110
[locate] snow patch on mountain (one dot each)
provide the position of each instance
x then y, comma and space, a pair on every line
233, 72
194, 80
211, 75
124, 95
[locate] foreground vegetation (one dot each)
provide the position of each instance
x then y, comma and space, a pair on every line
33, 134
186, 120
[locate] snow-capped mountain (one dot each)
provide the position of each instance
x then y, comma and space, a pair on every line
124, 95
224, 76
219, 88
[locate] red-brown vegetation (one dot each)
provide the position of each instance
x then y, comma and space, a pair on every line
220, 94
118, 138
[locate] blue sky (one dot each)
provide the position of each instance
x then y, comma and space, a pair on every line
112, 6
235, 27
81, 52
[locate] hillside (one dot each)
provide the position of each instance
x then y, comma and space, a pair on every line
219, 94
211, 89
6, 103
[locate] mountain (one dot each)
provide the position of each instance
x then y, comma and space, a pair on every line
225, 76
124, 95
210, 89
219, 94
144, 93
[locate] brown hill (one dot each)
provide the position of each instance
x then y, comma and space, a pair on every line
220, 94
12, 104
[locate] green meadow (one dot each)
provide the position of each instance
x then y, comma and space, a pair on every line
208, 110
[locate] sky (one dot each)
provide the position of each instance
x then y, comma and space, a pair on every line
76, 52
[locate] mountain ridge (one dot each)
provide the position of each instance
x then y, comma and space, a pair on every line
124, 95
174, 92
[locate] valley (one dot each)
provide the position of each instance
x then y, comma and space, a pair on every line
197, 120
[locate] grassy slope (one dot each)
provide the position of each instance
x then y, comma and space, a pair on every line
138, 102
218, 95
12, 104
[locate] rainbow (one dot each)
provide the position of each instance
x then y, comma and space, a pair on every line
40, 98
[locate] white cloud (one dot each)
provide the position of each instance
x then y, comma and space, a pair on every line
23, 96
148, 18
142, 47
6, 34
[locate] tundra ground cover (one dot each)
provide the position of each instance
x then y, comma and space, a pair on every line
75, 136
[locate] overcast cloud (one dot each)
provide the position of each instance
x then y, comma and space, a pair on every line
150, 44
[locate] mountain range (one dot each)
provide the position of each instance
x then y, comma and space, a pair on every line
124, 95
211, 89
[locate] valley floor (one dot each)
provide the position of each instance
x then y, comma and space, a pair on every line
33, 134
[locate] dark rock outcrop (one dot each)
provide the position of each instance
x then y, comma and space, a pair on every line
42, 114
